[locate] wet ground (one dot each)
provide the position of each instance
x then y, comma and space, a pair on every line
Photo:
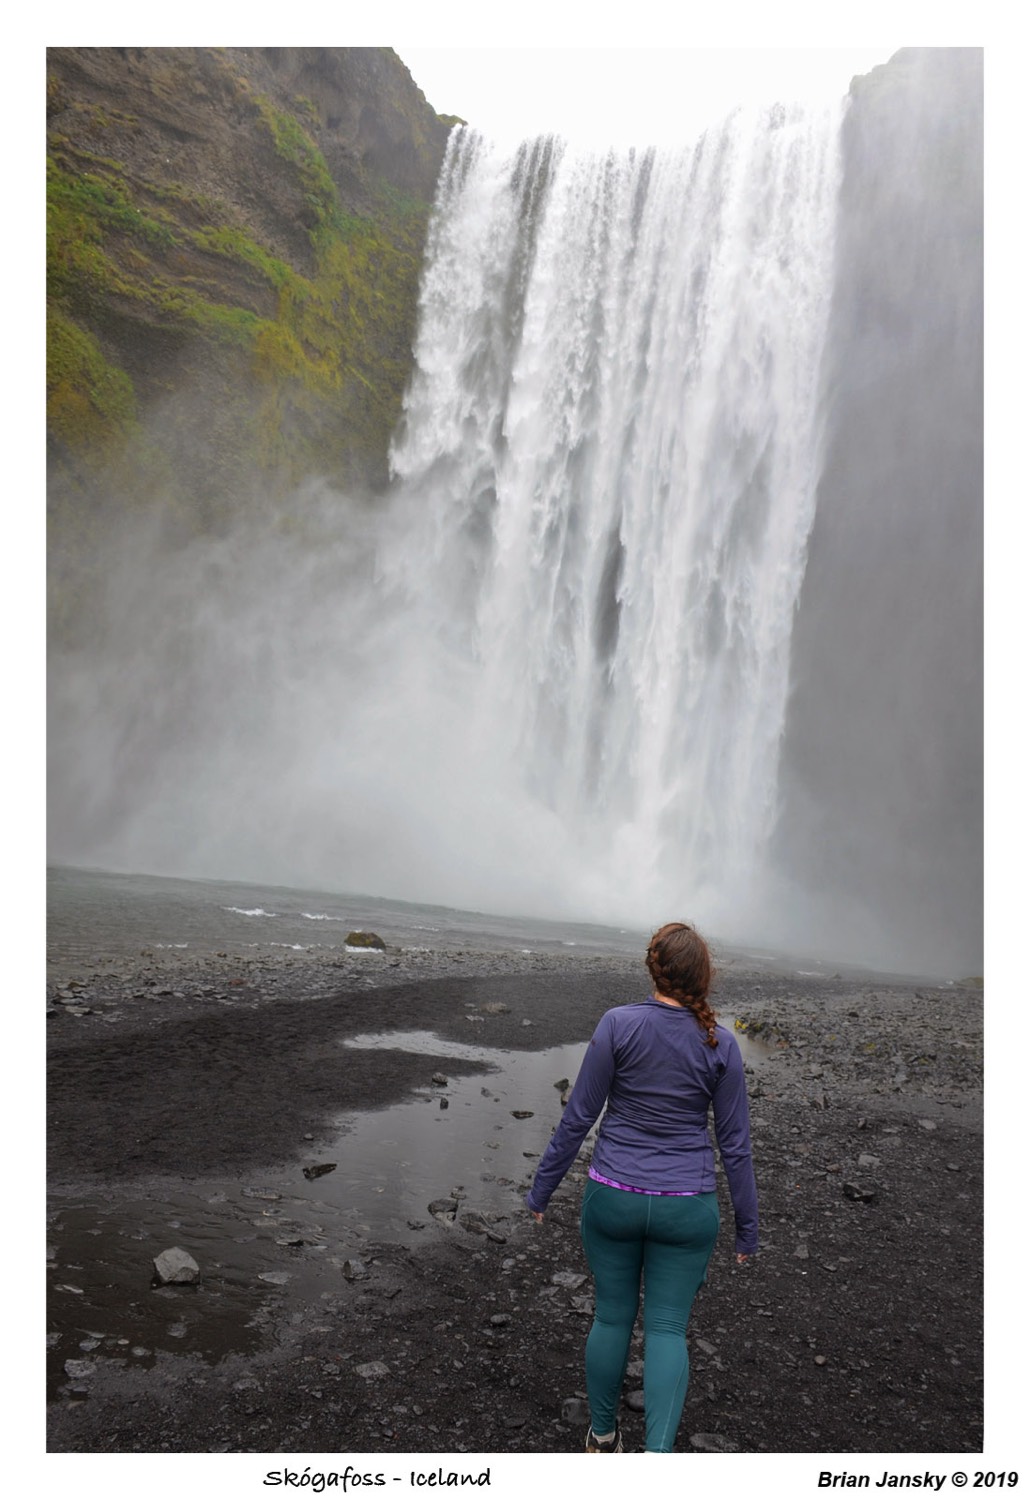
405, 1300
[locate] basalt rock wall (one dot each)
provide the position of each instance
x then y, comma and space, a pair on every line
234, 245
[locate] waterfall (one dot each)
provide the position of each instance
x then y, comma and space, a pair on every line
605, 480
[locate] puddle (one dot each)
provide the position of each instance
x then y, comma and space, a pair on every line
296, 1234
279, 1241
480, 1132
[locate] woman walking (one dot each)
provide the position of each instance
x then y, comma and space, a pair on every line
649, 1207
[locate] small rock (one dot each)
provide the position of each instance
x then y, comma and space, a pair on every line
635, 1400
927, 1124
441, 1080
445, 1104
355, 1270
176, 1265
365, 940
475, 1223
575, 1411
375, 1370
79, 1369
865, 1160
274, 1278
571, 1279
319, 1169
859, 1194
820, 1359
712, 1442
522, 1114
801, 1251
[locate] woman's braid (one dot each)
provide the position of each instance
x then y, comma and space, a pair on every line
681, 967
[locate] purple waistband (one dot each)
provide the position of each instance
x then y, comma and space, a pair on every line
651, 1192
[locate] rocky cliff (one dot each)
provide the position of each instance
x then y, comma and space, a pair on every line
234, 243
883, 761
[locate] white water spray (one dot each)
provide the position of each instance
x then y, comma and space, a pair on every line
607, 473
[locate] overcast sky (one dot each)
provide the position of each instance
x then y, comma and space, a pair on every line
626, 95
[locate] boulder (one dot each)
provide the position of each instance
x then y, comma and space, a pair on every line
365, 940
176, 1265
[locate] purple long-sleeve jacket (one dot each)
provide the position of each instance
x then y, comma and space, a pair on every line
652, 1063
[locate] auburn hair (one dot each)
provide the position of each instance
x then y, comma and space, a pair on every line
680, 964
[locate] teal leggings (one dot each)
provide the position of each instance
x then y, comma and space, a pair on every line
668, 1241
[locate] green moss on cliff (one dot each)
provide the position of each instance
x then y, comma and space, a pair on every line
91, 405
279, 325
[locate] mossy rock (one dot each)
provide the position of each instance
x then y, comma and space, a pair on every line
365, 940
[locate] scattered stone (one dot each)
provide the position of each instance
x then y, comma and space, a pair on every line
319, 1169
498, 1320
274, 1278
443, 1208
802, 1251
712, 1442
79, 1369
575, 1411
445, 1104
355, 1270
859, 1194
635, 1400
365, 940
441, 1080
176, 1265
522, 1114
66, 1286
570, 1279
928, 1124
820, 1359
475, 1223
375, 1370
867, 1161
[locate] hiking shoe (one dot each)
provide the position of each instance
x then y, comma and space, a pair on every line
612, 1444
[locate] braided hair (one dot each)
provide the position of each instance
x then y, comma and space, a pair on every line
680, 964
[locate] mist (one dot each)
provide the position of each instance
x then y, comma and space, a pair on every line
672, 607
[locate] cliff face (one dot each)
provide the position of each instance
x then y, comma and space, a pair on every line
884, 756
234, 244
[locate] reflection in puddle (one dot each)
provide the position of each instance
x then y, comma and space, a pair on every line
280, 1239
479, 1132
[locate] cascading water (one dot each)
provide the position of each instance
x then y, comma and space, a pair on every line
606, 477
547, 674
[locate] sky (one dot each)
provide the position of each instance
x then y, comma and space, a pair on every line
623, 96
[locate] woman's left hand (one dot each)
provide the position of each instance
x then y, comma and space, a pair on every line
538, 1217
742, 1260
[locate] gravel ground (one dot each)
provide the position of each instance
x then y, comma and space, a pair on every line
178, 1087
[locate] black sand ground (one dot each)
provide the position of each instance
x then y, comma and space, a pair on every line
856, 1329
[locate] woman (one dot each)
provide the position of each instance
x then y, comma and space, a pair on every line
650, 1207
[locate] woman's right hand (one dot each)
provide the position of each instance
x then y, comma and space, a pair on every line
742, 1260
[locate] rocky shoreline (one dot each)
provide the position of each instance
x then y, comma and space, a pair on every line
183, 1093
